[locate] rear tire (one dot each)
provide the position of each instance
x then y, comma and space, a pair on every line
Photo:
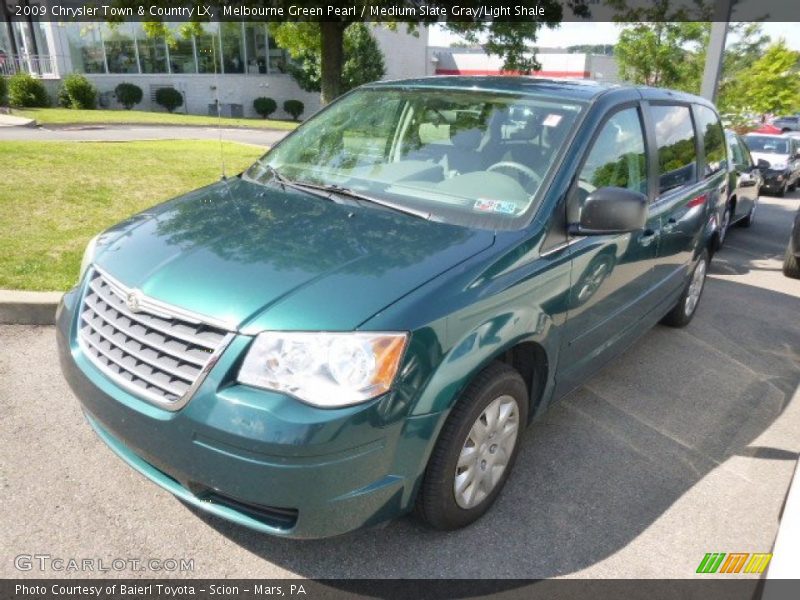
723, 228
683, 312
475, 451
791, 268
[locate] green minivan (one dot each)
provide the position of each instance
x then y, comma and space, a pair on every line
364, 322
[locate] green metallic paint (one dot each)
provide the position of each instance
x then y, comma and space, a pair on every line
268, 258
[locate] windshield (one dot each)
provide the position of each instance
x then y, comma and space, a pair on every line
767, 144
464, 157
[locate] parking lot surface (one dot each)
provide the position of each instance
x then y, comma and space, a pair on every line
684, 445
130, 133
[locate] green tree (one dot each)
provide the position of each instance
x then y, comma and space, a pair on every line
661, 46
741, 55
773, 81
514, 42
666, 54
363, 62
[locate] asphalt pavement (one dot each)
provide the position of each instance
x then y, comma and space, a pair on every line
129, 133
684, 445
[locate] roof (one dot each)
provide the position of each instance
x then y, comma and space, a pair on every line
577, 89
581, 89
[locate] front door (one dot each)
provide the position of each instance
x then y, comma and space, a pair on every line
611, 274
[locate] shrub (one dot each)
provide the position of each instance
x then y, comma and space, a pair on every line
294, 107
77, 92
26, 91
169, 98
265, 106
62, 97
3, 91
128, 94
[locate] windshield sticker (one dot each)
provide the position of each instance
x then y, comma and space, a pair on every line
552, 120
495, 206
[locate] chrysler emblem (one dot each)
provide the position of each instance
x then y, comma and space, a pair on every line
133, 301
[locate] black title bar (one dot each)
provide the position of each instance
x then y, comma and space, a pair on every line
401, 10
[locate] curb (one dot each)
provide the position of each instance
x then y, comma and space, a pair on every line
28, 308
14, 121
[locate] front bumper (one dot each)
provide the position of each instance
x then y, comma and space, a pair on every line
774, 181
259, 458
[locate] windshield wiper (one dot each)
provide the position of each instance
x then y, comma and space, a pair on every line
284, 181
344, 191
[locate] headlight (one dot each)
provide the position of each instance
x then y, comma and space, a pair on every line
88, 256
779, 166
324, 369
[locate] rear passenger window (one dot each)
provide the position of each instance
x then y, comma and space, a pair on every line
738, 155
713, 140
677, 150
617, 157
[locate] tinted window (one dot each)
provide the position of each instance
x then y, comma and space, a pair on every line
677, 152
713, 140
768, 144
617, 157
467, 157
737, 152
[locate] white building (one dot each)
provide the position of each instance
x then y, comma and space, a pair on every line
554, 62
236, 62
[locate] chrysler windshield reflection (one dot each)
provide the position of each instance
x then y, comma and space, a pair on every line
467, 158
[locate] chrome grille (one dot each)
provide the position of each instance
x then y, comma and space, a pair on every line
155, 351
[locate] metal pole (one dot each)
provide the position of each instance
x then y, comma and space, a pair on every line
716, 49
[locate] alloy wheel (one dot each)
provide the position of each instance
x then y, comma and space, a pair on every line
695, 288
486, 452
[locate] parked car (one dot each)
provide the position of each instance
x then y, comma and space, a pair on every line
744, 185
364, 322
787, 124
791, 261
782, 152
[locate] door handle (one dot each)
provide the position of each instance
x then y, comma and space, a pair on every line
648, 237
671, 223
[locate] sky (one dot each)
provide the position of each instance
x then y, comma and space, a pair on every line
571, 33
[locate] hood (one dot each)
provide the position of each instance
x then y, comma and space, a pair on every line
771, 158
261, 257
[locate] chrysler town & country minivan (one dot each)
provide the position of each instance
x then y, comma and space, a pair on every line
364, 322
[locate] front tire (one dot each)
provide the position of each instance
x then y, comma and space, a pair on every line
751, 216
683, 312
475, 451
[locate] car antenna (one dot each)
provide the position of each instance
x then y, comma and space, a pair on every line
219, 108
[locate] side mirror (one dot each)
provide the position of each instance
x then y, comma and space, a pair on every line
762, 164
612, 210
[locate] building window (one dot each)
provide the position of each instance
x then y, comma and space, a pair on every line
152, 51
85, 47
181, 51
208, 49
255, 39
277, 57
233, 59
120, 48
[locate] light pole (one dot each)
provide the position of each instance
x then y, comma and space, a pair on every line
716, 49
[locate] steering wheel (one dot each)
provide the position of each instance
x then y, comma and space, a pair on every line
518, 167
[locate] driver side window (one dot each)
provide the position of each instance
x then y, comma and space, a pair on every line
617, 157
